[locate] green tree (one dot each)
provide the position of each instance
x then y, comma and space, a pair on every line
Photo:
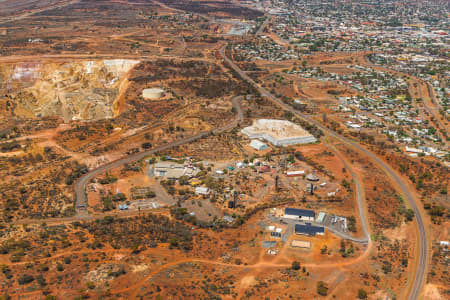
322, 288
25, 278
362, 294
183, 180
41, 280
409, 215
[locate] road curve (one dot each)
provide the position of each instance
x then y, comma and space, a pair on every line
80, 195
423, 242
360, 196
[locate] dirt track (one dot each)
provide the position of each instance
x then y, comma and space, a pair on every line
80, 196
30, 13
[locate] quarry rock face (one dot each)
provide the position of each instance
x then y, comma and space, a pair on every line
82, 90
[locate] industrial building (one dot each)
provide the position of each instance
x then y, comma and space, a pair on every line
278, 132
308, 229
299, 214
258, 145
295, 173
172, 170
201, 190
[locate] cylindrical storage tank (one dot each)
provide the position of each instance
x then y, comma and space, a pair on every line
153, 93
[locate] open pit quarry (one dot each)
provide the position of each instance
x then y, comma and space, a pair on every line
82, 90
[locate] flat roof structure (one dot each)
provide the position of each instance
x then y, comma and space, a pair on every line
300, 244
320, 217
299, 212
173, 170
308, 229
278, 132
201, 190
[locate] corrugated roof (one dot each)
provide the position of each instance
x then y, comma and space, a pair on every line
299, 212
275, 234
308, 229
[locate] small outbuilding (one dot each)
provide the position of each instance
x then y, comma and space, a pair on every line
202, 190
295, 173
275, 234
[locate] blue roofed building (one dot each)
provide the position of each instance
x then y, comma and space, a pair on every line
275, 234
308, 229
299, 214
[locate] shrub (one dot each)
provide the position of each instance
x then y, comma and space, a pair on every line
362, 294
150, 194
409, 215
25, 278
295, 265
41, 280
351, 224
322, 288
146, 145
90, 285
42, 268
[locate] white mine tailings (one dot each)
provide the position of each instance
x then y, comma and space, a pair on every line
120, 66
278, 132
153, 93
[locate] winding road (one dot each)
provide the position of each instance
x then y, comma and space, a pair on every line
81, 199
423, 240
360, 197
80, 194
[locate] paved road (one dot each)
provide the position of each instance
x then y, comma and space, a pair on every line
263, 25
360, 197
423, 242
80, 194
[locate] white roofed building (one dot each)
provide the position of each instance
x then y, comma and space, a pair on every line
278, 132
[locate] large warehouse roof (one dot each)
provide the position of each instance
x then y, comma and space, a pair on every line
299, 212
308, 229
278, 132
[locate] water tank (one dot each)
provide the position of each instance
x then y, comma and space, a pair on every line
153, 93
